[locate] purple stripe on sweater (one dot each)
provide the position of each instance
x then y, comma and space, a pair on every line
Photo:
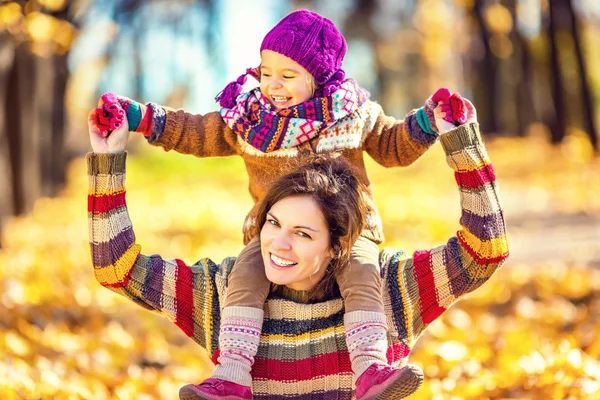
484, 227
153, 282
418, 134
108, 253
460, 281
329, 395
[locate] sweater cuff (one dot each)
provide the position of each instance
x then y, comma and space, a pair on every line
159, 119
460, 138
105, 164
424, 122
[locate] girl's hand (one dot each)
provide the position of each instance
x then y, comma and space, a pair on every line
445, 126
116, 142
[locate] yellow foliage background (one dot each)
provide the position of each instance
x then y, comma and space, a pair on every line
532, 332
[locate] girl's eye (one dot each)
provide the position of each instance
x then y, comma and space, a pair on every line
265, 74
289, 77
272, 222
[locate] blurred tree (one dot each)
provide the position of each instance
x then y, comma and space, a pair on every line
523, 84
35, 38
564, 36
485, 72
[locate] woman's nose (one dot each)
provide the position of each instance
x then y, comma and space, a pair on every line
281, 242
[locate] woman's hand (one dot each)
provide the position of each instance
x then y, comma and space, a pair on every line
116, 142
445, 126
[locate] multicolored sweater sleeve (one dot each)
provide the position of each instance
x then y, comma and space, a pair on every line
199, 135
187, 295
393, 143
424, 286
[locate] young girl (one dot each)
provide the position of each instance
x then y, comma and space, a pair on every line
304, 105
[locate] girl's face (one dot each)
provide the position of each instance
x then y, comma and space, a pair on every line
295, 243
283, 81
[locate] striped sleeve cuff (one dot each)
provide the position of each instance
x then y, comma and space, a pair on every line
416, 131
105, 164
460, 138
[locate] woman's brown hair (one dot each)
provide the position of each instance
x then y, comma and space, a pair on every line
331, 183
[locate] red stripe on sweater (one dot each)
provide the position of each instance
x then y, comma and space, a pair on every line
105, 202
476, 178
397, 352
184, 299
305, 369
478, 259
430, 308
333, 364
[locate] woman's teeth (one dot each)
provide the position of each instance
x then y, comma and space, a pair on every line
281, 262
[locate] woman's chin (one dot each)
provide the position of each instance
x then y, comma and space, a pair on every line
277, 277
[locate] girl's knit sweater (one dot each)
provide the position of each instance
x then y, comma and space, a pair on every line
302, 352
388, 141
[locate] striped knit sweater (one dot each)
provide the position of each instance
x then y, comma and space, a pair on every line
388, 141
302, 352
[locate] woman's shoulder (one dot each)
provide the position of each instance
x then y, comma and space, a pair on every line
390, 259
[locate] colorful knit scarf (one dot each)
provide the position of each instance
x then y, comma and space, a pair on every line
267, 130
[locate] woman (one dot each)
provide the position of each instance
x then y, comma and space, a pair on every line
302, 351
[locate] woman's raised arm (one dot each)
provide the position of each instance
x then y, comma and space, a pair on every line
187, 295
424, 286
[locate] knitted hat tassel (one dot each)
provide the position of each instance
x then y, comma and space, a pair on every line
229, 94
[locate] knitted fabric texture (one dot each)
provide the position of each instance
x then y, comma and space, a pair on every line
390, 142
312, 41
302, 350
309, 39
366, 339
238, 341
268, 130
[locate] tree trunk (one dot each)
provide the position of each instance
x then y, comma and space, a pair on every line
7, 54
57, 146
521, 62
558, 122
587, 98
487, 75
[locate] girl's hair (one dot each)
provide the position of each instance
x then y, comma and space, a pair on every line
332, 184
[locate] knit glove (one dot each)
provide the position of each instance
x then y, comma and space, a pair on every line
139, 116
452, 105
109, 115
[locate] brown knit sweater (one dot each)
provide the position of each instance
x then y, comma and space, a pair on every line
388, 141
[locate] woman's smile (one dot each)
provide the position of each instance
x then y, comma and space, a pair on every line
281, 262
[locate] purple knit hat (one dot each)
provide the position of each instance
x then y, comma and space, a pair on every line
311, 40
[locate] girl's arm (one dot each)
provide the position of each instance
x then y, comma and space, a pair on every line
424, 286
187, 295
199, 135
392, 142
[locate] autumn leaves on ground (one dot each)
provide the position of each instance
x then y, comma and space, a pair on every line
532, 332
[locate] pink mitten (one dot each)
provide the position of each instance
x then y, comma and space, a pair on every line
459, 109
109, 114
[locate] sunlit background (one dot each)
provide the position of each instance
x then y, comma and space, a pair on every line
532, 68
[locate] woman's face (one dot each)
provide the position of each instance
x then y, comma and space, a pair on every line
295, 243
283, 81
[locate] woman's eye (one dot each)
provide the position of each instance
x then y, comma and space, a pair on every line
303, 234
272, 222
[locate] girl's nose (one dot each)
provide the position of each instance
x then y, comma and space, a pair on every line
276, 83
